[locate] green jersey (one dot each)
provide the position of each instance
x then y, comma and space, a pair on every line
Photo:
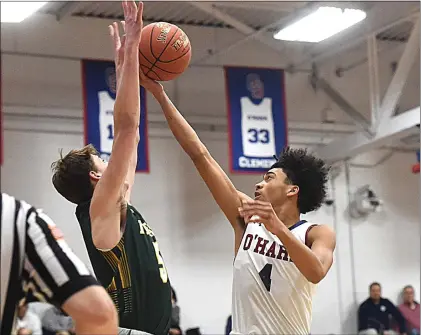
133, 273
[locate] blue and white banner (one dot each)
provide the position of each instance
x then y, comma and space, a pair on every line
256, 117
99, 93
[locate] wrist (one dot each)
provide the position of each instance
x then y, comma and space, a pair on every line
280, 230
159, 94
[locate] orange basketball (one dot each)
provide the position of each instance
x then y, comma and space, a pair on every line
164, 51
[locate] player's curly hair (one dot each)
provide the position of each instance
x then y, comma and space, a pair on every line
306, 171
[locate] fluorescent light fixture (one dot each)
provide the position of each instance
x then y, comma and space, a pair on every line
16, 11
321, 24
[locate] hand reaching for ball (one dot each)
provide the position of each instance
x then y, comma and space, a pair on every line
150, 85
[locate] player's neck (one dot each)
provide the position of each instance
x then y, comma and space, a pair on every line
289, 216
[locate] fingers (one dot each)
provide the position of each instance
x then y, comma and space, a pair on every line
125, 10
123, 24
131, 6
139, 13
253, 215
250, 205
116, 36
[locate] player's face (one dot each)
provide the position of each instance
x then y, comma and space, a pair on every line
273, 188
100, 166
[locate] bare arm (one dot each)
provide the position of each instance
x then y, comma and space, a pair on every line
96, 321
110, 191
119, 50
315, 262
221, 187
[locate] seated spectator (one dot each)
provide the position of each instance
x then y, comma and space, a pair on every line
175, 316
410, 310
374, 314
55, 321
27, 322
228, 326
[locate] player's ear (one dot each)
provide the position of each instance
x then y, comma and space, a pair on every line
293, 190
94, 176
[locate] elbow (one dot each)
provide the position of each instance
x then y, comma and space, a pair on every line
316, 276
104, 240
104, 313
104, 243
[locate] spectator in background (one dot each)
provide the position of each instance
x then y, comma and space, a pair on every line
228, 326
55, 321
175, 315
27, 322
410, 310
374, 314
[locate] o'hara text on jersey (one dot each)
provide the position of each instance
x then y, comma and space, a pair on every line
260, 245
255, 163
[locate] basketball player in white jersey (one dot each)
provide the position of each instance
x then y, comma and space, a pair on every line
279, 258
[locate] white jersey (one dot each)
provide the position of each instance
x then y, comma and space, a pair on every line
106, 121
257, 128
269, 294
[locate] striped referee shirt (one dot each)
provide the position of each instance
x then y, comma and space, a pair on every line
34, 258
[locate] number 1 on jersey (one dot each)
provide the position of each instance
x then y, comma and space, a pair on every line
110, 132
265, 275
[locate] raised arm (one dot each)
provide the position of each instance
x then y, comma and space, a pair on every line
118, 46
222, 189
110, 191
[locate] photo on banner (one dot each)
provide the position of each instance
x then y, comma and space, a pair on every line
99, 93
257, 122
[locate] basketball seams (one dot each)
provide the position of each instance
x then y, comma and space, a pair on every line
163, 50
150, 70
172, 60
152, 66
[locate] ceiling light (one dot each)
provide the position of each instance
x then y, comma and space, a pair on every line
15, 11
321, 24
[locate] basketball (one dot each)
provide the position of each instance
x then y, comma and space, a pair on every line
164, 51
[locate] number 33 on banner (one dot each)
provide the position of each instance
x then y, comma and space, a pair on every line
258, 135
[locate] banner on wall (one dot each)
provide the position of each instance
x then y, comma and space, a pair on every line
1, 116
257, 124
99, 93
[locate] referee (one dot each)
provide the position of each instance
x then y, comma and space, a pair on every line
35, 257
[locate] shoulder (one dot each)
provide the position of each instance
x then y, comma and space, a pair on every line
321, 232
365, 303
387, 302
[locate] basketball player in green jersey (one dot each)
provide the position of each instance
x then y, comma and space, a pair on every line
122, 247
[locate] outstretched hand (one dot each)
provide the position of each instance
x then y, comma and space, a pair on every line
255, 211
133, 22
118, 45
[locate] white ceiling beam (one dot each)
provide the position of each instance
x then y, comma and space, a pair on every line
66, 10
295, 15
398, 127
321, 83
395, 88
281, 7
240, 26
